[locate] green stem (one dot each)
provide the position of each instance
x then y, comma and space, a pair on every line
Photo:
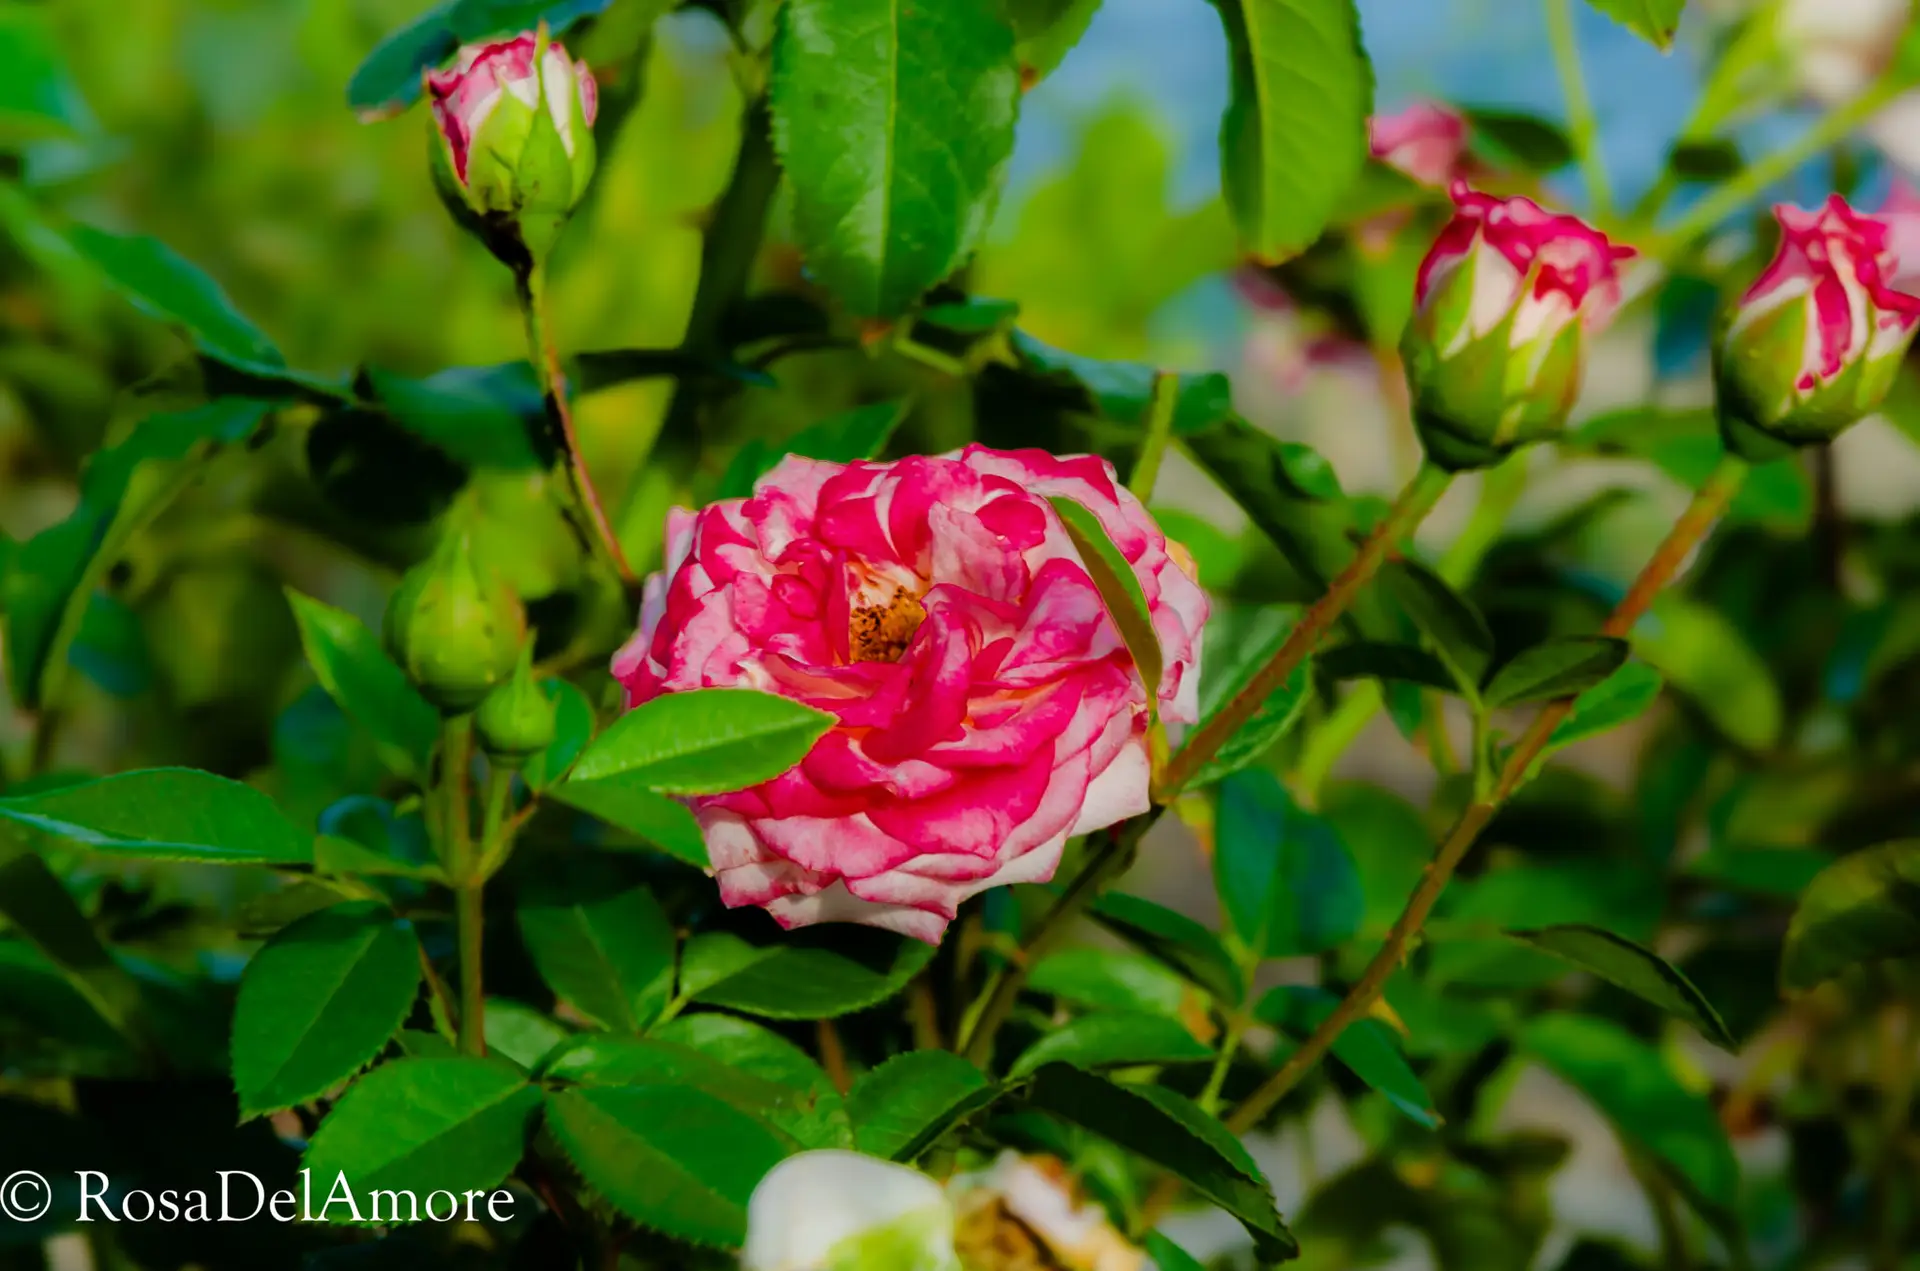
1582, 128
456, 754
496, 832
1687, 534
544, 352
1223, 1064
1703, 217
1110, 855
1153, 449
1411, 508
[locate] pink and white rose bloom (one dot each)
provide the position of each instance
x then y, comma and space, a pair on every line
1816, 341
1426, 141
988, 709
513, 127
1503, 306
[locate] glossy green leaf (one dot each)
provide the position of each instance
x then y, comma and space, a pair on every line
167, 286
1651, 20
1619, 699
608, 1059
1562, 667
1286, 882
356, 672
572, 730
1638, 970
605, 950
677, 1160
1446, 618
820, 1116
624, 801
522, 1034
319, 1001
1103, 978
894, 123
1862, 908
1113, 1039
860, 433
904, 1106
482, 416
1294, 136
165, 814
1173, 1133
1173, 939
1119, 591
818, 973
424, 1125
1367, 1047
1631, 1084
705, 741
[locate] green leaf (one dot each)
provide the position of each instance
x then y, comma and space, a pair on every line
976, 315
425, 1125
1130, 982
704, 741
1294, 136
1630, 1083
167, 286
1619, 699
606, 951
47, 590
1561, 667
1119, 590
319, 1001
624, 801
1272, 720
860, 433
1047, 30
572, 730
905, 1106
1122, 391
1705, 656
165, 814
356, 672
1864, 907
1651, 20
1377, 659
1168, 1256
1110, 1039
1639, 971
894, 123
1512, 139
482, 416
36, 906
1765, 871
606, 1059
38, 97
1286, 882
388, 80
1448, 619
1173, 939
1174, 1134
677, 1160
822, 1117
520, 1033
1367, 1047
818, 973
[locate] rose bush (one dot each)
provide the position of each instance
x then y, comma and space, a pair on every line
987, 706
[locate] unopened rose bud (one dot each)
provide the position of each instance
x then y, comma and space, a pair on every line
513, 141
841, 1211
1815, 344
455, 626
1504, 305
1025, 1212
516, 721
1426, 141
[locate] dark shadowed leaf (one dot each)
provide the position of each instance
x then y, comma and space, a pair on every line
1285, 880
1367, 1047
1113, 1039
1862, 908
1458, 633
1173, 939
1638, 970
1561, 667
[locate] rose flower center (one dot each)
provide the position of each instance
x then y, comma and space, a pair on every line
881, 631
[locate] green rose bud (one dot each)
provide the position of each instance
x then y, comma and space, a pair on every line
455, 626
1816, 343
1503, 307
513, 142
516, 720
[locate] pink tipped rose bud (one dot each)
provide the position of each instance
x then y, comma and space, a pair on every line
513, 148
988, 709
1503, 306
1426, 141
1816, 342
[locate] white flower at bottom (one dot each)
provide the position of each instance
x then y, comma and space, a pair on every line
841, 1211
1020, 1201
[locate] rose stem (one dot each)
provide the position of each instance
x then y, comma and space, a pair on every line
543, 351
1146, 469
456, 752
1686, 535
1581, 127
1428, 484
1110, 855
